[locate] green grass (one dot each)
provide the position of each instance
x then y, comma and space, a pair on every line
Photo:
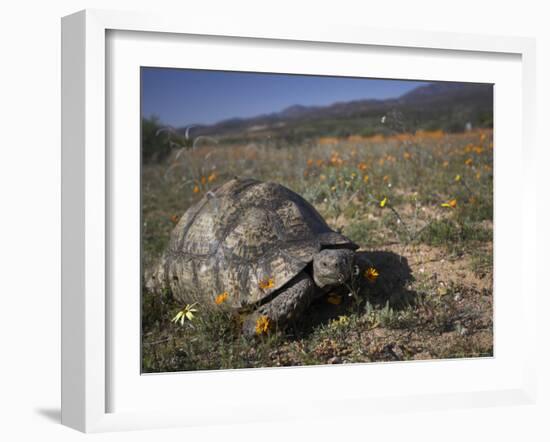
455, 235
342, 335
433, 298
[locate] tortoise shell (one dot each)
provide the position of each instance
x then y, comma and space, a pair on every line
246, 238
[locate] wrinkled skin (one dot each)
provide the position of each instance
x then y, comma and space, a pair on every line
286, 306
331, 268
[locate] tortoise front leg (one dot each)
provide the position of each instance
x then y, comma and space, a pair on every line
285, 307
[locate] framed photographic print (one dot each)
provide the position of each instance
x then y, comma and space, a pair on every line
251, 212
355, 226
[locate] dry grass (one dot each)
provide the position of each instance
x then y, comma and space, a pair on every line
434, 295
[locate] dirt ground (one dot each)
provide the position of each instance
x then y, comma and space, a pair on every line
430, 242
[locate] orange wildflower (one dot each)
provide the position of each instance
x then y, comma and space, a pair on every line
450, 204
371, 274
221, 298
262, 325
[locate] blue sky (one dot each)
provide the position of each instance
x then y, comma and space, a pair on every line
181, 97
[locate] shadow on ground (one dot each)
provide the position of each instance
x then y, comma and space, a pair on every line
395, 277
390, 287
51, 414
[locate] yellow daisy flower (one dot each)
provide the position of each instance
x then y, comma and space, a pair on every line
187, 313
262, 325
371, 274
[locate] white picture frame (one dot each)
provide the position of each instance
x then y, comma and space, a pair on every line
86, 234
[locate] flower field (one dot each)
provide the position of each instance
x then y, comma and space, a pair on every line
419, 205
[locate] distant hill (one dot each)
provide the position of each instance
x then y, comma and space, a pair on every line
443, 105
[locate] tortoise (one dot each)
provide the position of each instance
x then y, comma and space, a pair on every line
259, 245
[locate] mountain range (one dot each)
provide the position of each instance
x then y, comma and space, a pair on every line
440, 105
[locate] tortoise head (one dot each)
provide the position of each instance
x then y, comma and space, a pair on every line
332, 267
